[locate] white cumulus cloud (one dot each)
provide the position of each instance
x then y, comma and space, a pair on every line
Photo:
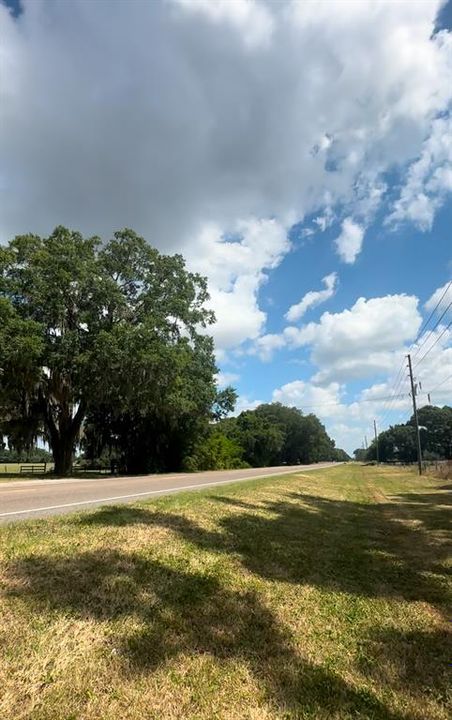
226, 378
309, 397
313, 298
429, 178
345, 422
265, 346
441, 298
361, 341
245, 403
174, 117
236, 268
350, 240
250, 18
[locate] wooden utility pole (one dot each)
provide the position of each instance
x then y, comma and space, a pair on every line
376, 441
418, 435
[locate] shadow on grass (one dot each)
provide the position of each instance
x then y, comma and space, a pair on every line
433, 510
233, 502
420, 661
182, 612
8, 476
375, 550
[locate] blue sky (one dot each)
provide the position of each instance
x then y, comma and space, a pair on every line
285, 148
409, 261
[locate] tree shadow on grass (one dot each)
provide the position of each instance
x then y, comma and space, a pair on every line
184, 612
377, 550
233, 502
373, 549
433, 510
116, 516
419, 661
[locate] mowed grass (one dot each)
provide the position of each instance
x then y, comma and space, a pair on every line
11, 471
322, 595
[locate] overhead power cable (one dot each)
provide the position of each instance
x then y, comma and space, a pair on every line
399, 379
358, 402
429, 334
436, 341
433, 312
396, 395
439, 384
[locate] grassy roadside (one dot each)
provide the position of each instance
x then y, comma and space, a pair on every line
318, 595
10, 472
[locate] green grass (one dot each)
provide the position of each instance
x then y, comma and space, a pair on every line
11, 471
324, 595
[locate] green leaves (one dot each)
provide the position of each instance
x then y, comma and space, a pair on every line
21, 354
215, 452
399, 441
274, 434
102, 326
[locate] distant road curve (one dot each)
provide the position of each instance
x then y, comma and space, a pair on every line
21, 499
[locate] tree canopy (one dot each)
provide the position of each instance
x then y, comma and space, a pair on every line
398, 443
101, 331
274, 434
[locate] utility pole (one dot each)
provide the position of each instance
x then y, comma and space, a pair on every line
365, 442
418, 436
376, 440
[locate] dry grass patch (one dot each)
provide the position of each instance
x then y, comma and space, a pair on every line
295, 597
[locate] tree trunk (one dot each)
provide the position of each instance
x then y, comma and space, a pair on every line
62, 450
63, 434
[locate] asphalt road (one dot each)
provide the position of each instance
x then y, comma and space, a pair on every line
21, 499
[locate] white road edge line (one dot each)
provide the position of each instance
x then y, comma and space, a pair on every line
151, 492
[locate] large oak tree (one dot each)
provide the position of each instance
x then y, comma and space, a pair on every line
86, 325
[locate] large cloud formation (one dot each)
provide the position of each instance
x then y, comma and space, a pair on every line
361, 341
367, 340
177, 116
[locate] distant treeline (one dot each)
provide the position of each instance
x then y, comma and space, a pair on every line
272, 434
33, 454
398, 443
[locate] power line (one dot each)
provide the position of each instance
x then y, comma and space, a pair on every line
399, 396
432, 330
436, 341
398, 382
390, 406
358, 402
399, 378
441, 383
433, 312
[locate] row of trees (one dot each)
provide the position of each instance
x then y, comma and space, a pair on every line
398, 443
105, 347
272, 434
35, 454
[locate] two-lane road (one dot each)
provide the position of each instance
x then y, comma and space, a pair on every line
38, 498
